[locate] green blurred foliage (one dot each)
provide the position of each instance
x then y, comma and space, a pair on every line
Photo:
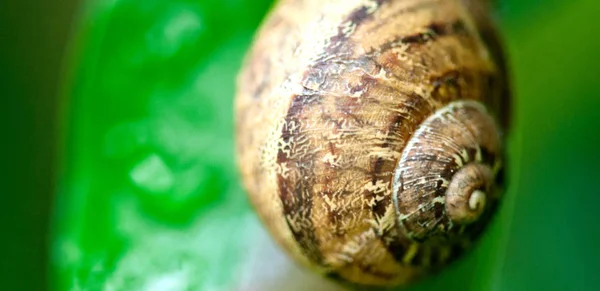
149, 196
32, 47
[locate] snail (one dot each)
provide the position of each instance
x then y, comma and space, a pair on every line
369, 133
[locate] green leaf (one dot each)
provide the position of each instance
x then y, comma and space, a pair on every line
151, 200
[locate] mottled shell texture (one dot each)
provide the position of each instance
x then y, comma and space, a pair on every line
369, 133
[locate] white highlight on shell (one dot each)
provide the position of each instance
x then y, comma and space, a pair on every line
477, 200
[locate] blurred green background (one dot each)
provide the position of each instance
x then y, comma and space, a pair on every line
121, 167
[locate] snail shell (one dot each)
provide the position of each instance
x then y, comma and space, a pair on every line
369, 133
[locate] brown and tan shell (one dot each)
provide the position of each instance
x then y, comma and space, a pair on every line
369, 133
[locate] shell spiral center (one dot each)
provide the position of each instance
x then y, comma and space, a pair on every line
444, 180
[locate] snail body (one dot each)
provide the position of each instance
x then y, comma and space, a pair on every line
369, 133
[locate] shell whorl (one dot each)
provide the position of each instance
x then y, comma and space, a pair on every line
444, 179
